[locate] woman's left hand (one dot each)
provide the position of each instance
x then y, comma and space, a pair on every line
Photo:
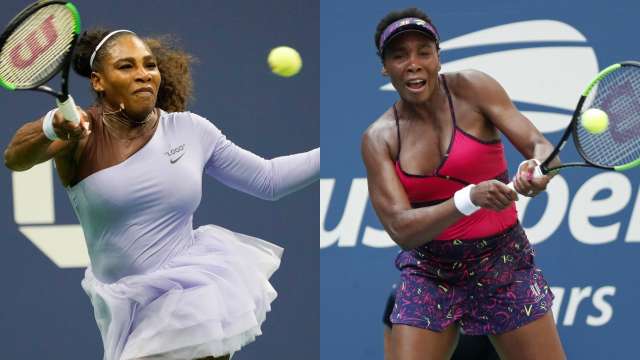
526, 183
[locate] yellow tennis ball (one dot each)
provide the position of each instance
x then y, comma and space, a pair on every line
595, 121
284, 61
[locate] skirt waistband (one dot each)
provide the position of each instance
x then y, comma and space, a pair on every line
471, 250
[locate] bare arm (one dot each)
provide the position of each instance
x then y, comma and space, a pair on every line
30, 146
408, 227
496, 106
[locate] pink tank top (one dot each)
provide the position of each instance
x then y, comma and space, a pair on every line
468, 160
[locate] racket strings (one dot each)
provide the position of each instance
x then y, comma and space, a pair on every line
37, 47
618, 94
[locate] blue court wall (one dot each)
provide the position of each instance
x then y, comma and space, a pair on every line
44, 313
585, 230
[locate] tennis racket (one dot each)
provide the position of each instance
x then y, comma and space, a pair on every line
616, 91
36, 45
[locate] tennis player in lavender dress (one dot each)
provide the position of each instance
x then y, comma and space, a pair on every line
133, 172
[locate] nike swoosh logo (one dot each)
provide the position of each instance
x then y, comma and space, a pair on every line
173, 161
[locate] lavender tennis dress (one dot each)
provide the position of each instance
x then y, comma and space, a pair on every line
159, 288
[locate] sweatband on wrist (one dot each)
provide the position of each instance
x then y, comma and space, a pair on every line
47, 126
462, 200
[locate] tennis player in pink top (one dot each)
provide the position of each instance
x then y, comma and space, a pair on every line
133, 171
437, 179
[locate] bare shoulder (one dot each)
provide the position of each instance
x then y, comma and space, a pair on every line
471, 83
380, 136
381, 126
478, 89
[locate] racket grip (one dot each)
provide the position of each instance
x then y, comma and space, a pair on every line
537, 172
69, 111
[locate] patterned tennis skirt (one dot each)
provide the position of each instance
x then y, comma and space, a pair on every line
485, 286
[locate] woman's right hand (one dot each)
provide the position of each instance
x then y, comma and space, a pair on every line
68, 131
493, 195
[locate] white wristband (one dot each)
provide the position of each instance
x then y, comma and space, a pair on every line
47, 126
462, 200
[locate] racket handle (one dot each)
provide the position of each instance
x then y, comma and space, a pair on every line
69, 111
537, 172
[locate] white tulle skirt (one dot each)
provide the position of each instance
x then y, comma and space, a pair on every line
210, 300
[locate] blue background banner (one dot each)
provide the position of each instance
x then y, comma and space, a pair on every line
44, 314
585, 229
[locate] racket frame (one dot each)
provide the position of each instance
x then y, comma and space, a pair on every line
572, 129
22, 16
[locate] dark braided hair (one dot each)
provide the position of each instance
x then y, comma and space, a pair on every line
176, 87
